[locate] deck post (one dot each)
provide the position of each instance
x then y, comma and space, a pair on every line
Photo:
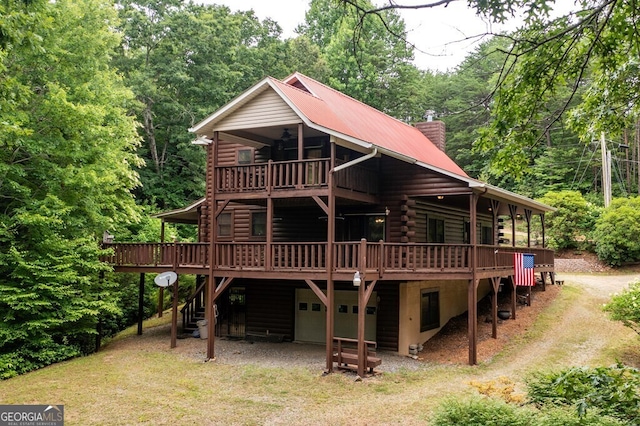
472, 301
331, 226
212, 161
362, 349
495, 283
514, 301
140, 303
513, 211
174, 314
300, 180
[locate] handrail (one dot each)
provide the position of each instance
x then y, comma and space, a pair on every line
381, 257
193, 295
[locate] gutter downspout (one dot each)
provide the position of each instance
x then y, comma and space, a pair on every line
356, 161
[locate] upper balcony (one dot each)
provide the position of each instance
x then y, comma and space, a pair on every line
286, 177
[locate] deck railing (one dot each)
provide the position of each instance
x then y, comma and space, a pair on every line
380, 257
298, 174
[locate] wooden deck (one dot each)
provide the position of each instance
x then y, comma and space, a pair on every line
300, 260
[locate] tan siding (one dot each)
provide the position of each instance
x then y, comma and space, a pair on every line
267, 109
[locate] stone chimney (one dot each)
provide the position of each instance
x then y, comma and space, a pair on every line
434, 130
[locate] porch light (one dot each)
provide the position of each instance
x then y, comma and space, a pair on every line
440, 197
285, 135
356, 279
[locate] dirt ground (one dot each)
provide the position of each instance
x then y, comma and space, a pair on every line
451, 344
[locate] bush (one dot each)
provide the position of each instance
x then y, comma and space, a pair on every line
617, 232
481, 411
572, 220
625, 307
609, 391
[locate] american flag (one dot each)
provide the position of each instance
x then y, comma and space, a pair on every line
523, 268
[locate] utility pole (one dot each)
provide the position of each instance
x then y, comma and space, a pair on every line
606, 171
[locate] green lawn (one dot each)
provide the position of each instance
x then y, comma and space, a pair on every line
128, 383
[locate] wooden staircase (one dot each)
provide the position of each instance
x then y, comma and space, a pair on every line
193, 309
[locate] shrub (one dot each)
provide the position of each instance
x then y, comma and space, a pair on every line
480, 411
572, 220
625, 307
610, 391
617, 232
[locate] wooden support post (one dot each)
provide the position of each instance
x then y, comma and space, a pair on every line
212, 161
269, 239
140, 303
514, 297
174, 315
513, 211
472, 302
209, 314
362, 348
495, 282
160, 301
300, 181
331, 226
472, 299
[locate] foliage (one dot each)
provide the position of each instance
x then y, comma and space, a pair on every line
587, 55
625, 307
480, 411
67, 148
617, 232
184, 61
611, 391
502, 388
572, 219
462, 99
367, 59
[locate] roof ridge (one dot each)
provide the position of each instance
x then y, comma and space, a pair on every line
290, 86
358, 101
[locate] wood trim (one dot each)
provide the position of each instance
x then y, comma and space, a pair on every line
317, 291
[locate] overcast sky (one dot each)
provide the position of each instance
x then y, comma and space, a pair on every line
437, 33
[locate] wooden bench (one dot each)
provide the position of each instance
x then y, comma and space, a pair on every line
345, 354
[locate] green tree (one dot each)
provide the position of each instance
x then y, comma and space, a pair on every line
572, 220
184, 61
617, 232
625, 307
586, 59
66, 175
368, 59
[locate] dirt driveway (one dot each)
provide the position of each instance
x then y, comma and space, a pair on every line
579, 335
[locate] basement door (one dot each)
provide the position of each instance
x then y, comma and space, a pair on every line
310, 317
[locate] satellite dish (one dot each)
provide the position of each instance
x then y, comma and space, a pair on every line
165, 279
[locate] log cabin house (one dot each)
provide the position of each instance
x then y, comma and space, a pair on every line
310, 193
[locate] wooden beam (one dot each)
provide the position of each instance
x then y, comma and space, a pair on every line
362, 348
160, 301
513, 212
473, 284
369, 291
224, 284
514, 301
174, 314
321, 203
140, 304
212, 161
331, 229
495, 282
317, 291
224, 204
